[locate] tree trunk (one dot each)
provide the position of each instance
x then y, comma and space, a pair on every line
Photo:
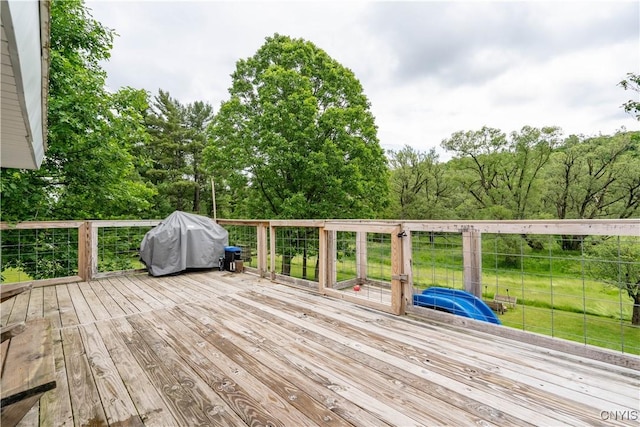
304, 260
571, 243
533, 244
196, 198
635, 317
286, 264
317, 269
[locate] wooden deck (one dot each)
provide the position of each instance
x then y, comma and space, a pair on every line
220, 349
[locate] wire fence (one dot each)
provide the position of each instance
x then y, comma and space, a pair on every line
119, 248
245, 237
437, 260
34, 254
346, 261
296, 252
579, 288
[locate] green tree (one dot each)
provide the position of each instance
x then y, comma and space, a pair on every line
617, 263
595, 177
174, 153
299, 129
418, 185
298, 133
88, 170
501, 173
589, 178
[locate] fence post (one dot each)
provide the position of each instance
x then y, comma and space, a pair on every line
87, 251
262, 249
361, 256
472, 261
397, 304
83, 252
407, 267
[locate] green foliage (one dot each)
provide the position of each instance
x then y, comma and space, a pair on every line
42, 254
501, 174
418, 186
173, 153
88, 171
298, 133
595, 177
632, 83
617, 262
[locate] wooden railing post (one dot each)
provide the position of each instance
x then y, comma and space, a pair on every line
83, 269
361, 256
262, 249
407, 267
397, 276
85, 249
472, 261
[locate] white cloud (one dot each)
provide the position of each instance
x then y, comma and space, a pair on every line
429, 68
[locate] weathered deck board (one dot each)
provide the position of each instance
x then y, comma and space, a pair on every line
120, 410
491, 358
232, 349
55, 406
80, 304
19, 309
126, 299
184, 407
145, 301
107, 299
274, 371
385, 383
98, 310
153, 411
282, 402
5, 310
36, 301
206, 360
469, 374
85, 399
68, 316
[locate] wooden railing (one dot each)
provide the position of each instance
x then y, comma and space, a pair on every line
400, 233
399, 264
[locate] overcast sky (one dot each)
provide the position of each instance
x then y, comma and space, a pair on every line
428, 68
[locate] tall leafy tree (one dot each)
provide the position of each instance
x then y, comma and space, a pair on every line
174, 152
299, 129
418, 185
88, 170
595, 177
501, 172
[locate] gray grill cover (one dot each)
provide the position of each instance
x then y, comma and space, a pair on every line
183, 241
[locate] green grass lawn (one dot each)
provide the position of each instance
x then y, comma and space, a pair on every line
13, 275
585, 328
